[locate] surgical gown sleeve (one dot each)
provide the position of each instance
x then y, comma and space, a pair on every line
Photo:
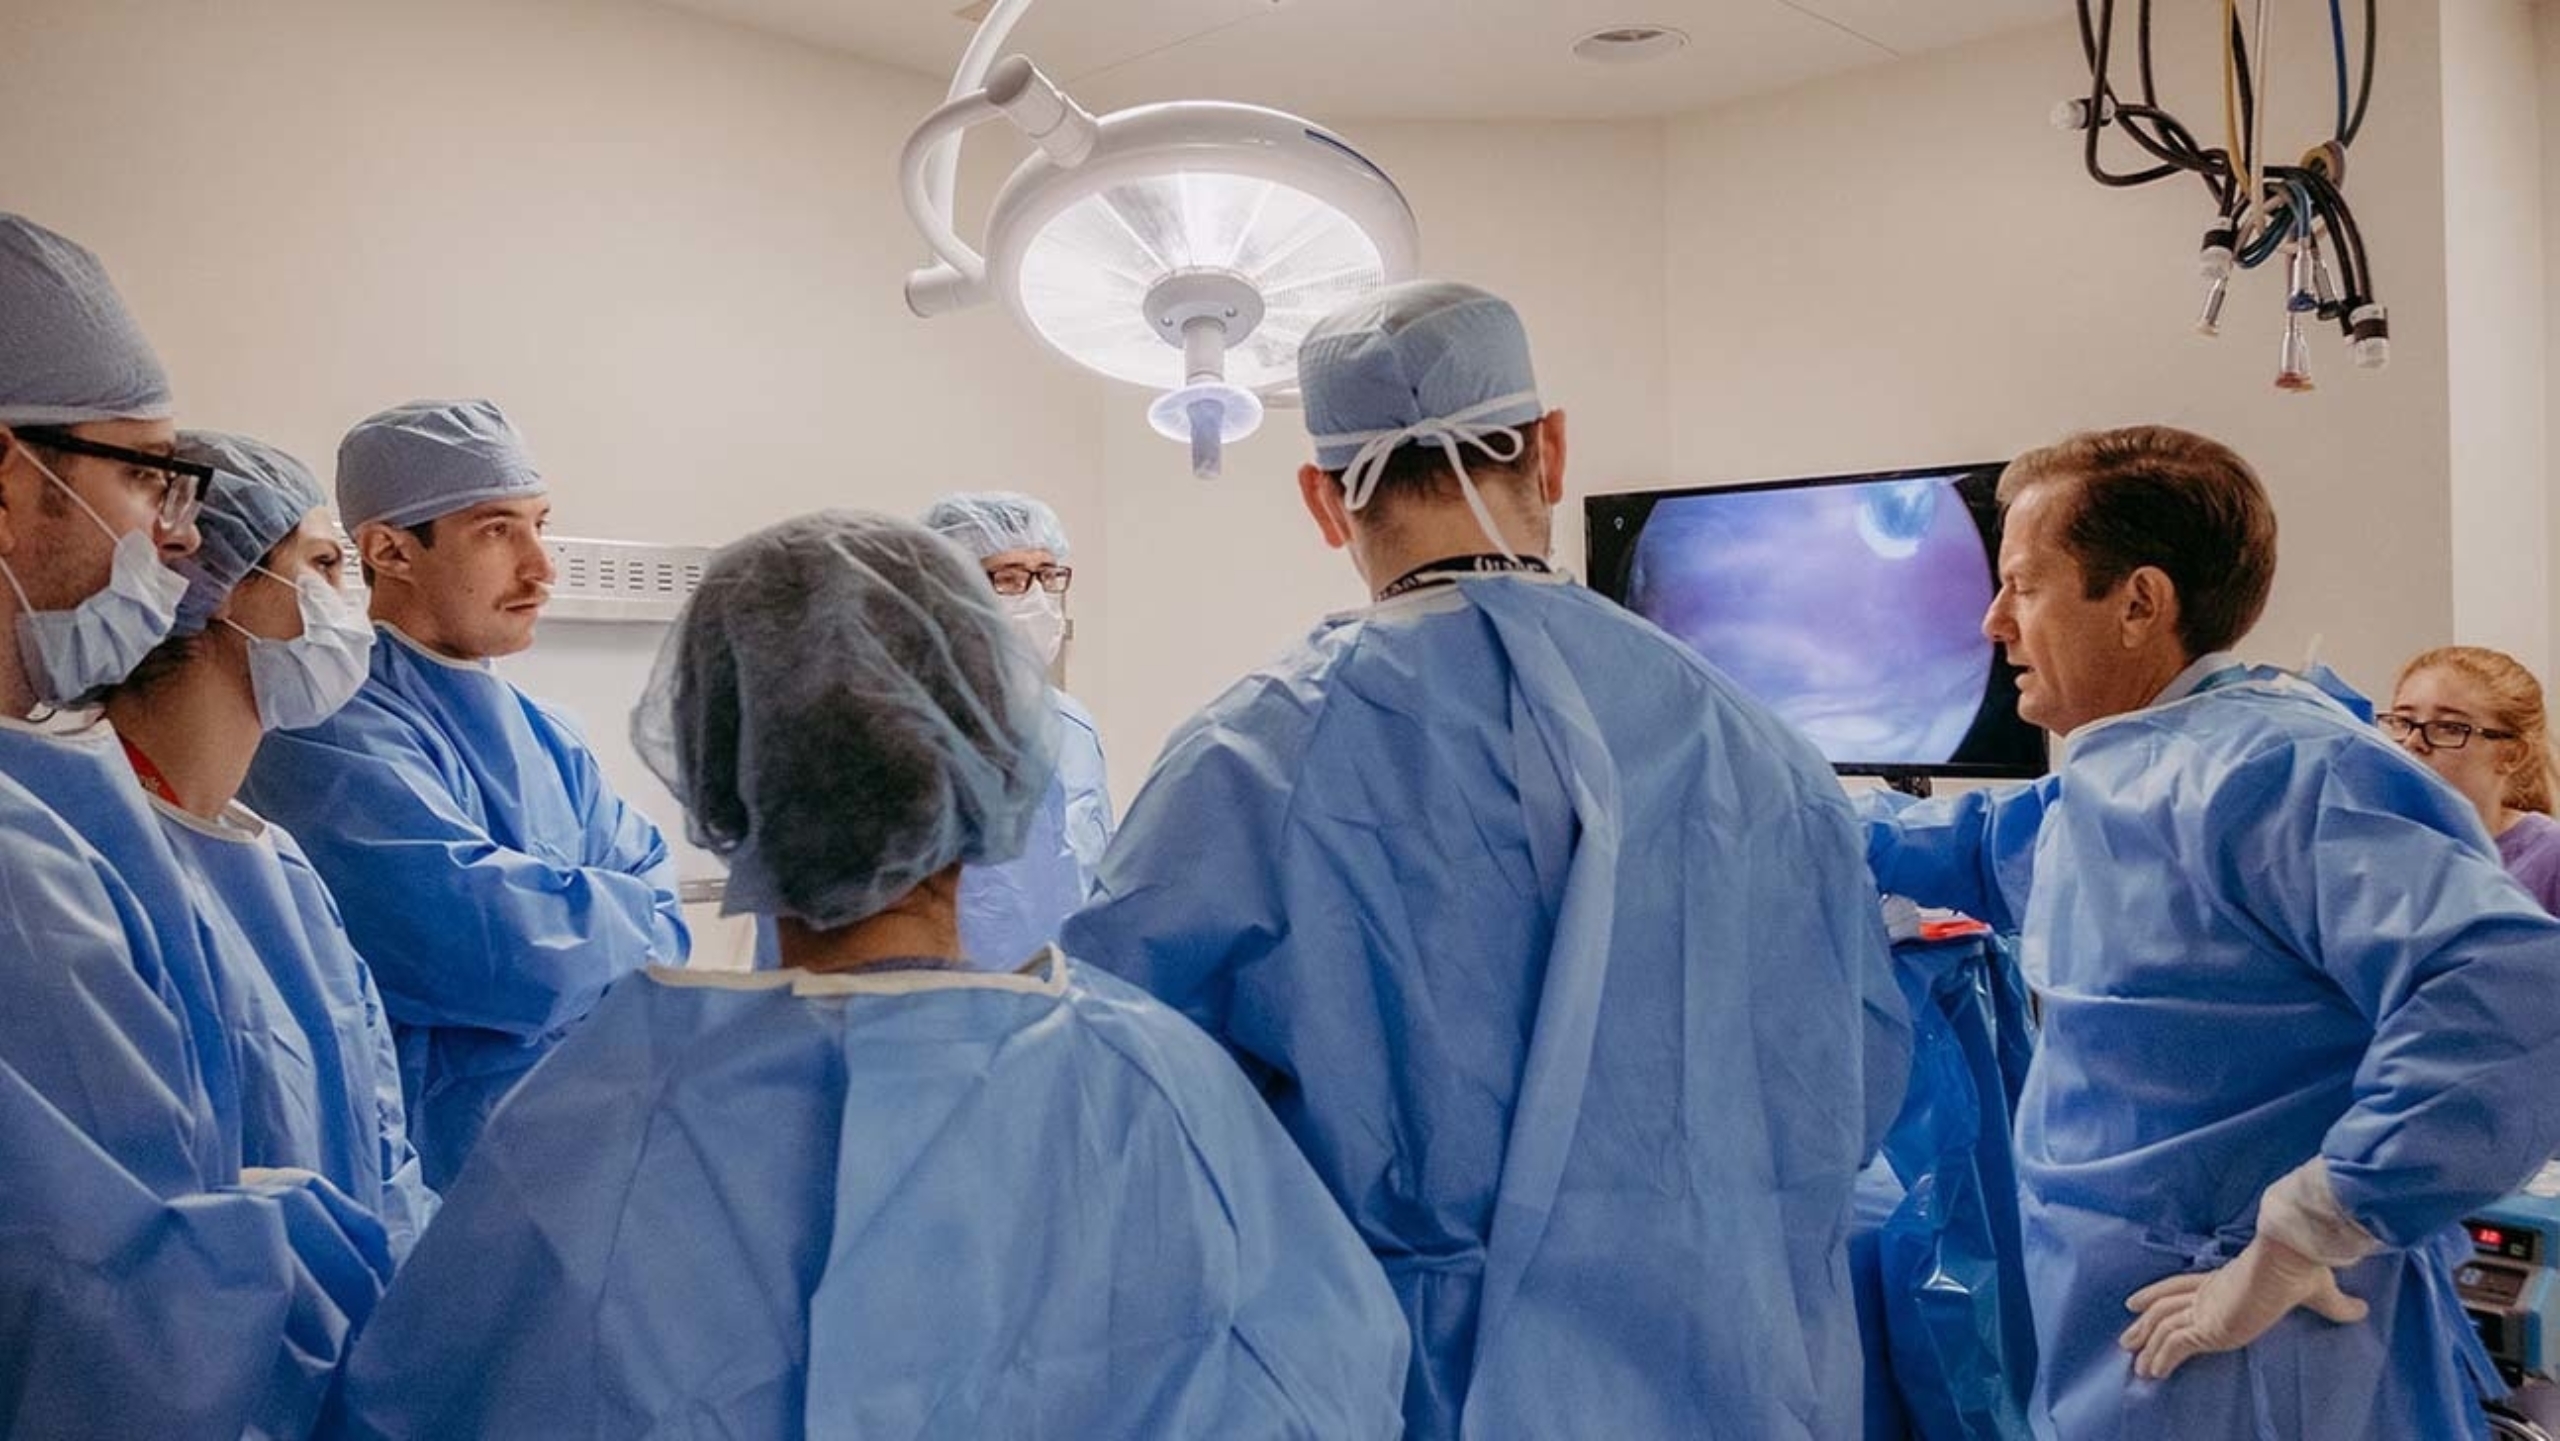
2356, 861
1180, 906
1972, 852
1085, 779
407, 1203
141, 1294
462, 929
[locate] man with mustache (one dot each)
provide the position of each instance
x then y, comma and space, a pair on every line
489, 875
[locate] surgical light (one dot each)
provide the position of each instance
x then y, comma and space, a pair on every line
1186, 246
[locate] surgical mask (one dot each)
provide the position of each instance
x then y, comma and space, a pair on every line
71, 655
1040, 619
303, 681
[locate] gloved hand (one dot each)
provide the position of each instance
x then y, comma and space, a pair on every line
2224, 1310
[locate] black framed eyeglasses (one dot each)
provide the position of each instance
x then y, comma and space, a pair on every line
2443, 735
185, 484
1017, 579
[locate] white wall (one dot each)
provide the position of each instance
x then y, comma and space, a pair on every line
2497, 321
669, 246
1908, 266
1215, 577
2547, 33
672, 248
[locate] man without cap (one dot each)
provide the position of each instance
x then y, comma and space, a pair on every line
2298, 1020
1556, 954
490, 876
148, 1286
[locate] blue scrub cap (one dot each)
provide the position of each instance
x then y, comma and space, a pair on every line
415, 462
69, 351
259, 495
1409, 361
843, 712
991, 522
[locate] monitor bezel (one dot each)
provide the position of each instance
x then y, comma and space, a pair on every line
1610, 581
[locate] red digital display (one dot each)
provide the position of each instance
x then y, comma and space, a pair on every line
2488, 1235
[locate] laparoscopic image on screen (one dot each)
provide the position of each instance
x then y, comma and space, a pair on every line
1853, 609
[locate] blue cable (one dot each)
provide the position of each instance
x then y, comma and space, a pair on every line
2338, 36
2283, 224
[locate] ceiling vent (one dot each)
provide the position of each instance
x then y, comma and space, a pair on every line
1630, 44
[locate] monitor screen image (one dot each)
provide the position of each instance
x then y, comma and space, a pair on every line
1850, 605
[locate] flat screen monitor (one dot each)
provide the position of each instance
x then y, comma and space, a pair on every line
1849, 604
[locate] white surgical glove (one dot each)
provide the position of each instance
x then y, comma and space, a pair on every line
2224, 1310
2304, 1234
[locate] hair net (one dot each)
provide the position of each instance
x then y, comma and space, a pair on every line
991, 522
843, 712
69, 351
1408, 358
415, 462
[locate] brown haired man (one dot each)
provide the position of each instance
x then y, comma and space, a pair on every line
2297, 1020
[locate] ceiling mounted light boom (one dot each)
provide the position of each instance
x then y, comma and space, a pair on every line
1186, 246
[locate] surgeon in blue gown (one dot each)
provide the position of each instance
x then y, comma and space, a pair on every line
264, 640
2297, 1020
149, 1284
880, 1192
1011, 909
1554, 951
487, 871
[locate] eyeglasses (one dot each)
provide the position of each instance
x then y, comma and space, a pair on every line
184, 484
1017, 579
2442, 735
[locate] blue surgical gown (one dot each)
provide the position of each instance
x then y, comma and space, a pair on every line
1558, 957
2260, 935
488, 874
145, 1290
890, 1204
1009, 910
319, 1077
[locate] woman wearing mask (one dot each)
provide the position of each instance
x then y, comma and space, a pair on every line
264, 641
2476, 717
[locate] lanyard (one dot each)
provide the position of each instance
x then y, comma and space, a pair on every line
1457, 568
148, 773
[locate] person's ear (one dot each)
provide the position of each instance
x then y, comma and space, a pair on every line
387, 550
1323, 498
9, 448
1547, 433
2149, 607
2509, 757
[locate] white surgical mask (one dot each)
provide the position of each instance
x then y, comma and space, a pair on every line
71, 655
1040, 618
301, 682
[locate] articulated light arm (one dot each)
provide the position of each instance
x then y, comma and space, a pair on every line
1016, 90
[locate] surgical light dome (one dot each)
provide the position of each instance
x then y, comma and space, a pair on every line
1187, 247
